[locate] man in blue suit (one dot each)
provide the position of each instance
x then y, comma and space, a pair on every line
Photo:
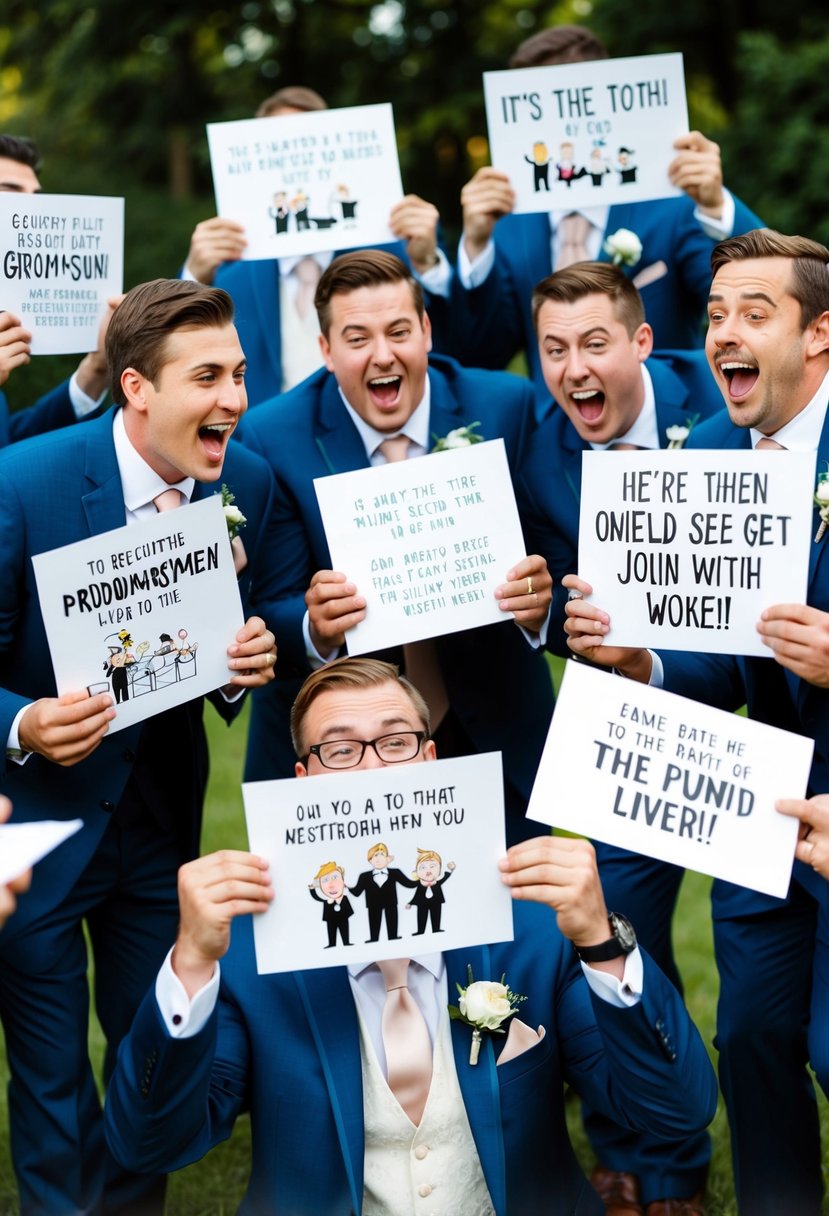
274, 299
612, 392
177, 373
502, 256
768, 347
380, 384
309, 1054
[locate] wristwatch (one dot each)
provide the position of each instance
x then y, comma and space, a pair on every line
623, 941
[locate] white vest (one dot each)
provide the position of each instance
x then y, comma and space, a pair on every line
430, 1170
299, 338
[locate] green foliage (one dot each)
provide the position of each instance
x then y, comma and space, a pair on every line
778, 142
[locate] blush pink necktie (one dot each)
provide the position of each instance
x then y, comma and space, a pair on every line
768, 445
406, 1041
420, 658
574, 230
168, 500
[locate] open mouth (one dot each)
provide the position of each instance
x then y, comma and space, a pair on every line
385, 390
589, 402
213, 438
741, 377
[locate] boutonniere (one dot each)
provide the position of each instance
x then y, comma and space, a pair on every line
461, 437
484, 1005
677, 435
233, 516
624, 247
821, 501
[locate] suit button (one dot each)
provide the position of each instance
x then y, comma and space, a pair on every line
128, 756
424, 1190
421, 1151
109, 807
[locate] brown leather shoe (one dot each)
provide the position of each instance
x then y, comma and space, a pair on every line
677, 1207
618, 1191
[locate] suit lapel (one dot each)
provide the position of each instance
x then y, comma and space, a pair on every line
265, 283
332, 1015
444, 410
336, 436
103, 497
479, 1082
816, 552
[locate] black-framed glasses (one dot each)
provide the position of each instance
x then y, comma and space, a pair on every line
396, 748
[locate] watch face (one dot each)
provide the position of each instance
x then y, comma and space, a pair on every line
624, 931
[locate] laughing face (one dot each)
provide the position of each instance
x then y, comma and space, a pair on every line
181, 425
755, 345
378, 347
592, 366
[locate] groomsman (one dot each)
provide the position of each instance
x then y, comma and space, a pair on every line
502, 255
177, 376
381, 397
612, 392
768, 349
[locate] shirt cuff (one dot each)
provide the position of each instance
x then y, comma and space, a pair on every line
82, 403
182, 1016
14, 751
537, 640
472, 274
622, 993
657, 679
313, 656
438, 278
718, 229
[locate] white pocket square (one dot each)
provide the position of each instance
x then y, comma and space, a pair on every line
649, 275
520, 1038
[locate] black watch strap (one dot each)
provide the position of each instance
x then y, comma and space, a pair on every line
622, 941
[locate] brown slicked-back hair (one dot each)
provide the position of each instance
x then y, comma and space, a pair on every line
140, 326
294, 96
364, 268
558, 44
349, 673
592, 279
809, 283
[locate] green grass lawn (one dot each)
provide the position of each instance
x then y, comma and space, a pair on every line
213, 1187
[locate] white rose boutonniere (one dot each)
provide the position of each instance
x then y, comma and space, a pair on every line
484, 1005
461, 437
821, 501
624, 247
677, 435
233, 516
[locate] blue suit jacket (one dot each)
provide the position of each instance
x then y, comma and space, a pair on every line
492, 322
307, 433
54, 490
50, 413
287, 1047
549, 483
254, 288
771, 692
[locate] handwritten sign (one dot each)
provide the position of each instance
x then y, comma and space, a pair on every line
303, 183
655, 773
374, 864
63, 257
144, 612
426, 541
684, 550
24, 844
587, 134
